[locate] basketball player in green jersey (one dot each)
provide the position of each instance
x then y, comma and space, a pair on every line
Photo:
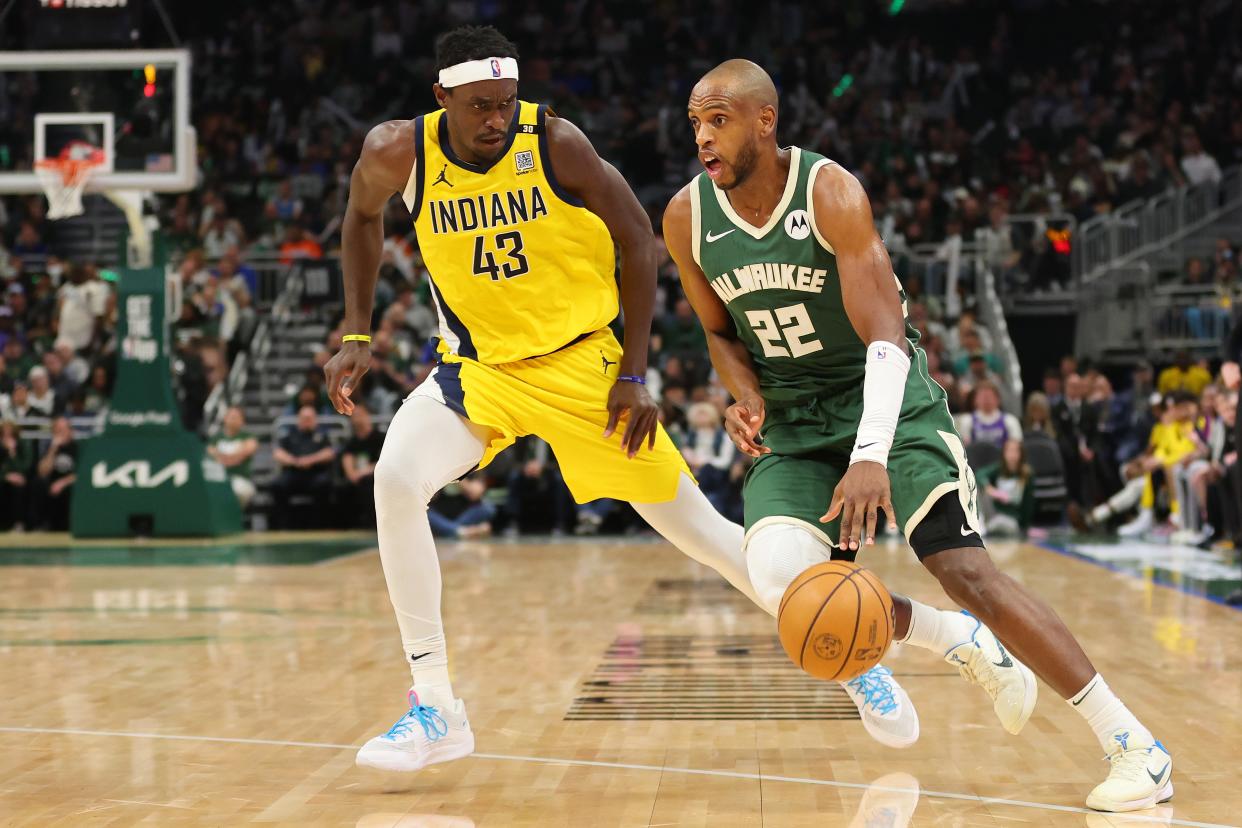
806, 326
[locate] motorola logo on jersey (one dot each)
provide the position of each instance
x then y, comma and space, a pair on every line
797, 225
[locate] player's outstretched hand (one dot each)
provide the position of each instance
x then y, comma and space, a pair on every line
860, 494
743, 420
644, 416
344, 371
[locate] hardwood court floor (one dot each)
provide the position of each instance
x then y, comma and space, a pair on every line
609, 683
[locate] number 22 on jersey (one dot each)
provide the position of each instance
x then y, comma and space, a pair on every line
785, 332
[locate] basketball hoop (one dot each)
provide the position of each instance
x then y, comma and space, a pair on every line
64, 177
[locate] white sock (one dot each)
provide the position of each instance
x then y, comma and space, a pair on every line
428, 662
937, 630
1105, 714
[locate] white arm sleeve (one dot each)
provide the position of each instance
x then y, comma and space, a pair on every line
884, 386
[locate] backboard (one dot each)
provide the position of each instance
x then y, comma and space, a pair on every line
134, 104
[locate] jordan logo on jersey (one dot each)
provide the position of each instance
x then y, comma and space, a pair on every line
441, 179
607, 361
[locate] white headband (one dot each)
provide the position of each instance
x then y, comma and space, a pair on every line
478, 70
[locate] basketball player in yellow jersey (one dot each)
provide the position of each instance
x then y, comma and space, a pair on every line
517, 218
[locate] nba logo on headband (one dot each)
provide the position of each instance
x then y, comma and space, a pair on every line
495, 68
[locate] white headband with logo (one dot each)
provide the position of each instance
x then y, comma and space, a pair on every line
478, 70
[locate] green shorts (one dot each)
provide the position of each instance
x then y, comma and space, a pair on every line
811, 441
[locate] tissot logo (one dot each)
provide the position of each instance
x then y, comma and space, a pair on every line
136, 474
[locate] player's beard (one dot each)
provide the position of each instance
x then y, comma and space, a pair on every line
744, 165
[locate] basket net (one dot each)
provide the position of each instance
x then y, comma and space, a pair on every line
64, 177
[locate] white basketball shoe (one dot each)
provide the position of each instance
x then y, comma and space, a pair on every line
887, 712
1140, 776
423, 736
982, 659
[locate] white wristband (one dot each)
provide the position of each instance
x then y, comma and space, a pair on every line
884, 386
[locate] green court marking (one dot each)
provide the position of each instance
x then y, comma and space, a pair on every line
284, 553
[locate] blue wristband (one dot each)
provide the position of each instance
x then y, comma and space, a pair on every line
631, 378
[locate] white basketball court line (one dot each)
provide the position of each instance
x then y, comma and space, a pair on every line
1136, 817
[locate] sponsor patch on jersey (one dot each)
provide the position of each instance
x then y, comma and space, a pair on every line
797, 225
524, 161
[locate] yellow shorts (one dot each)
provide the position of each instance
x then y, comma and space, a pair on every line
561, 398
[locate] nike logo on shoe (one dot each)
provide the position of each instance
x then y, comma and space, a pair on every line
1157, 777
711, 237
1005, 661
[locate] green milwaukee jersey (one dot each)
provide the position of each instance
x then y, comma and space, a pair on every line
781, 286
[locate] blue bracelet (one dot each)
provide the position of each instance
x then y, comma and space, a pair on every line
632, 378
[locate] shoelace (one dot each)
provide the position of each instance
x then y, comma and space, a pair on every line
876, 690
429, 718
1129, 765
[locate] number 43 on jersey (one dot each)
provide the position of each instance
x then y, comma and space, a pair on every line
508, 250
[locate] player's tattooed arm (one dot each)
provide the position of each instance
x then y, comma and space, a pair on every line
382, 170
582, 173
729, 356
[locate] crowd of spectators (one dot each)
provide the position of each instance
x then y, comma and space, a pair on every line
1021, 114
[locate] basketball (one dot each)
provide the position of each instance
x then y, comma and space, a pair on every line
836, 620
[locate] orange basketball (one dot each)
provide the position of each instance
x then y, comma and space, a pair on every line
836, 620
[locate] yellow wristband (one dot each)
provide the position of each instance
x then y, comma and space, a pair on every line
355, 338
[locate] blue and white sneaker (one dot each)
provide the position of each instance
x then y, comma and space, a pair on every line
422, 737
887, 712
1140, 776
983, 660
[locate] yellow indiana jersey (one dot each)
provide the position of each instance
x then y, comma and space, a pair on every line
519, 268
1170, 442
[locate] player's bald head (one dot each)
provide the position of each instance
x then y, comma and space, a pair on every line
742, 83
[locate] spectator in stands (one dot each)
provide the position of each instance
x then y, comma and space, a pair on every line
1075, 422
75, 368
1183, 375
221, 234
358, 460
1140, 185
1038, 415
53, 488
973, 349
958, 343
709, 452
1215, 431
1172, 443
1008, 500
461, 510
298, 245
537, 493
986, 422
60, 384
305, 460
42, 398
16, 405
680, 333
16, 466
234, 447
99, 389
284, 206
1197, 165
82, 302
1053, 386
29, 241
